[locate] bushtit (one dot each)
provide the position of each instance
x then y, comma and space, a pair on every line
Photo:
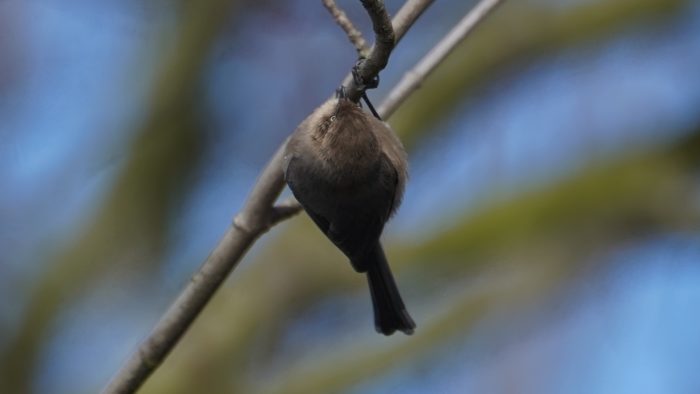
348, 171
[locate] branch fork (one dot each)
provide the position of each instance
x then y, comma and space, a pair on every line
260, 212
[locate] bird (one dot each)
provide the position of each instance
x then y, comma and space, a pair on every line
348, 171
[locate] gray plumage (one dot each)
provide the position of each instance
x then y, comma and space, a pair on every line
348, 170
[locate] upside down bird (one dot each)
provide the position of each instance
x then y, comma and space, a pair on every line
348, 171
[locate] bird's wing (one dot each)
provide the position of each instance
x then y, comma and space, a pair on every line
354, 221
302, 194
359, 222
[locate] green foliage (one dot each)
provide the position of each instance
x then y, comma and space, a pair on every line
536, 241
514, 35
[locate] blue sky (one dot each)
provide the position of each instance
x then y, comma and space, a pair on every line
82, 85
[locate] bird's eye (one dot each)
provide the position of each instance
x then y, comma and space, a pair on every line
332, 118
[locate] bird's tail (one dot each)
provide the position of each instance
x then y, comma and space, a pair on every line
389, 311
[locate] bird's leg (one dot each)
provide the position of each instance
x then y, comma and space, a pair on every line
363, 85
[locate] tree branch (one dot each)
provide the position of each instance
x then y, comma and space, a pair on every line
407, 15
384, 41
256, 218
258, 215
354, 35
415, 77
403, 20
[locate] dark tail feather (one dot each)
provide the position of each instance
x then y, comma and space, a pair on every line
389, 311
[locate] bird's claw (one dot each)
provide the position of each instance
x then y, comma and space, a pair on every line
340, 93
361, 83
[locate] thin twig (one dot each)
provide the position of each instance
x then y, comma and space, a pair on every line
256, 217
403, 20
285, 210
384, 41
407, 15
354, 35
415, 77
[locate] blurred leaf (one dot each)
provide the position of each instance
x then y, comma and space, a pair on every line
539, 242
549, 233
517, 33
131, 225
556, 229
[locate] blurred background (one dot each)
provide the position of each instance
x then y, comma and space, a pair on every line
548, 241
